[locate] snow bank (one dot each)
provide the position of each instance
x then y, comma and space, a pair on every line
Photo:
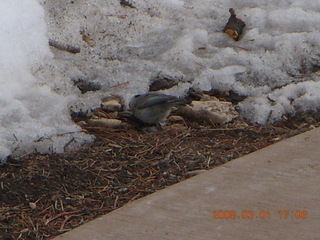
183, 38
30, 110
274, 64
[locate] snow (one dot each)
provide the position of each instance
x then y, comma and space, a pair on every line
272, 64
32, 114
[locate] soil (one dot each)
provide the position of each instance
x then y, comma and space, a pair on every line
42, 196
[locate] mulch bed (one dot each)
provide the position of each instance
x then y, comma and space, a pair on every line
46, 195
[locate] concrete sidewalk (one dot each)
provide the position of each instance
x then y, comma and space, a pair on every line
282, 177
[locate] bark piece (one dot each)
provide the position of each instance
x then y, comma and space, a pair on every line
105, 123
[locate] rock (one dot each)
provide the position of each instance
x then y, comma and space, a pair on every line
209, 112
176, 119
106, 123
86, 86
111, 104
32, 205
161, 82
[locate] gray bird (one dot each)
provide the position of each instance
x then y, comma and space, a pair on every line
154, 108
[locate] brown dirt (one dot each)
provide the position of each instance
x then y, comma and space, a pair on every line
45, 195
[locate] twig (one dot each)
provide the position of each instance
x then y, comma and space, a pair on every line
68, 143
224, 129
118, 16
87, 39
116, 201
243, 48
65, 221
135, 197
120, 85
64, 47
59, 215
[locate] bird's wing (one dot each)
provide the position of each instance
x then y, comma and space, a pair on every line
154, 100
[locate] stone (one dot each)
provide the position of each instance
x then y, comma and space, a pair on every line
209, 112
111, 105
175, 119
